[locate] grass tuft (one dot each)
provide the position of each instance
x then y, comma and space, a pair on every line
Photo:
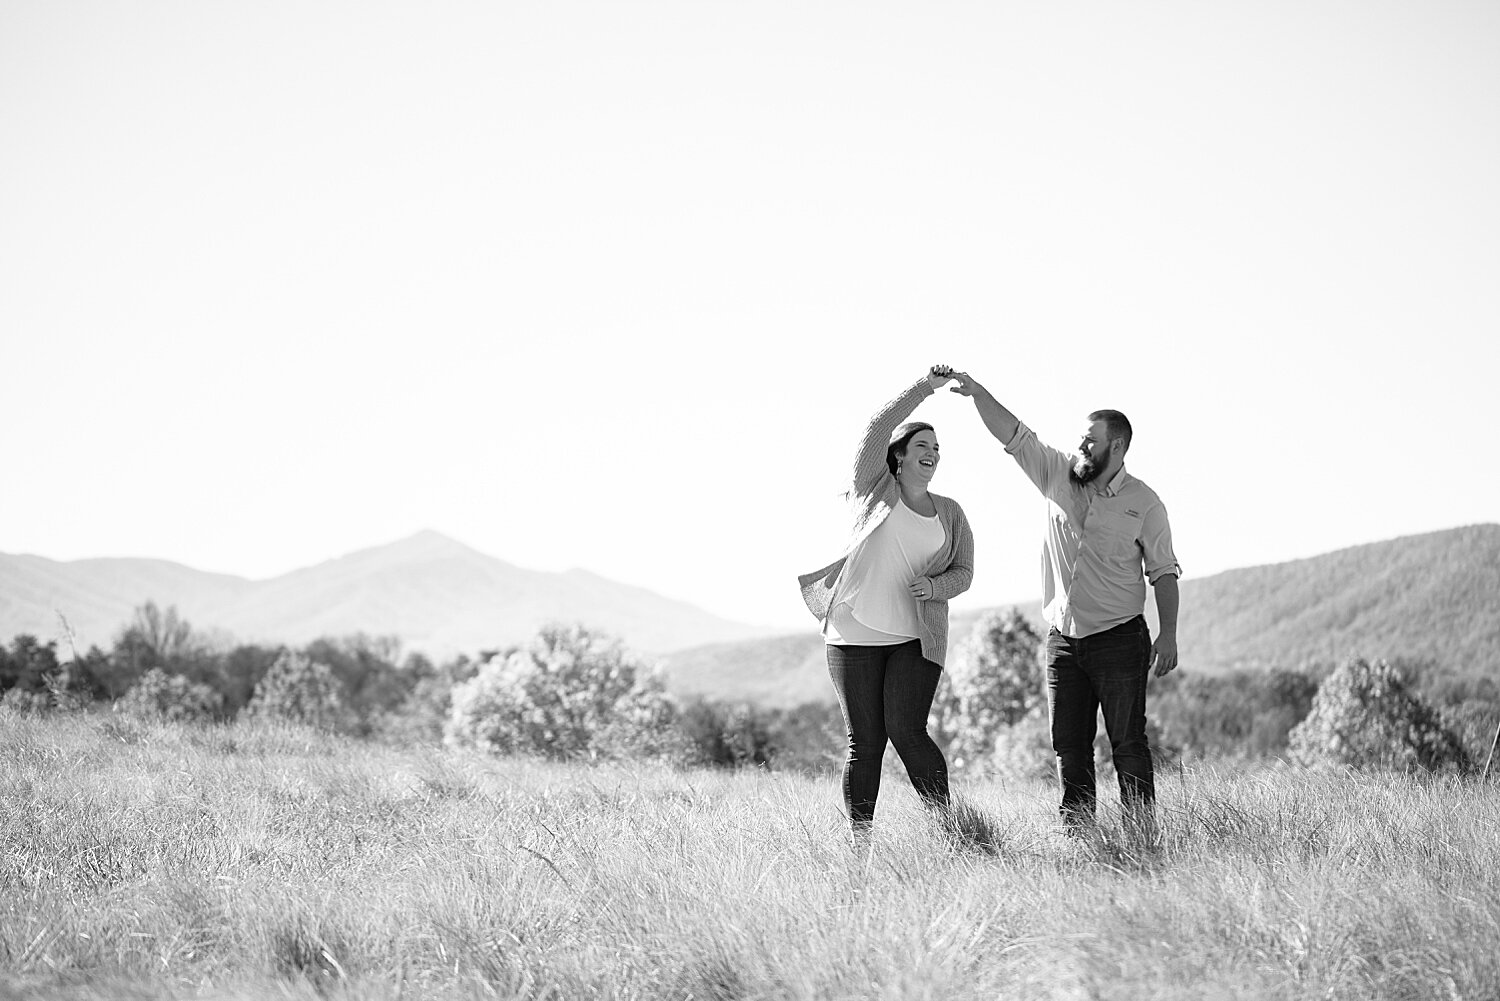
969, 828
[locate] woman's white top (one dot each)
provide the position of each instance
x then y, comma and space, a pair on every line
873, 604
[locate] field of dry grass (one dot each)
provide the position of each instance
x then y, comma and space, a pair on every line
248, 861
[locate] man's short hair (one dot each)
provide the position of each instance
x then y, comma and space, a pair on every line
1116, 425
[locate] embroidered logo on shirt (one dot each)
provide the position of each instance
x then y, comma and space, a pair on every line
1132, 513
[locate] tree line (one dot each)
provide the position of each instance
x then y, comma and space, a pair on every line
575, 693
570, 692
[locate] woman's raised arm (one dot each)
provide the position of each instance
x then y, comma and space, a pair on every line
869, 459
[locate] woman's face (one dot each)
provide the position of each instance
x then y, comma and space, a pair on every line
921, 458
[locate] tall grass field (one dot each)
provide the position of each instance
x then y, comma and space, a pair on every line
142, 860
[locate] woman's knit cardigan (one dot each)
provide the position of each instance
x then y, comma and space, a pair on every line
872, 496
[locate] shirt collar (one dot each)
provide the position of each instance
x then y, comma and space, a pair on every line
1117, 483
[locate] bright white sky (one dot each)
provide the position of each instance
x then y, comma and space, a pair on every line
616, 284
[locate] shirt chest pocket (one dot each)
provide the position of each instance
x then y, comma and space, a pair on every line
1114, 535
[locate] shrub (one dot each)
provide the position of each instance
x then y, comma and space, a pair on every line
808, 738
1364, 716
1468, 702
27, 664
724, 735
1247, 712
572, 693
1476, 725
423, 715
25, 702
995, 680
1023, 750
643, 725
159, 695
372, 684
300, 690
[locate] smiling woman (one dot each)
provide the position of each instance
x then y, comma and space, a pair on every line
884, 603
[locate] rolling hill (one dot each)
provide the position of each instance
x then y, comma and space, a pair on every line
1434, 596
437, 594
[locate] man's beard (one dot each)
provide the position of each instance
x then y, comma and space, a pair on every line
1086, 470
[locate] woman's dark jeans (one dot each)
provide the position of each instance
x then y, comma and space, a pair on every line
1105, 671
886, 693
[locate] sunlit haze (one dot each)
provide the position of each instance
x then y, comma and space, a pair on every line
616, 285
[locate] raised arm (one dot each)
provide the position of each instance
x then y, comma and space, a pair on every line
1001, 422
869, 459
1042, 464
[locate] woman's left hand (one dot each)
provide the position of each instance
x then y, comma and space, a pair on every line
939, 375
921, 588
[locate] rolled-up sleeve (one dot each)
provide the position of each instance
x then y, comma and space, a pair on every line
1156, 545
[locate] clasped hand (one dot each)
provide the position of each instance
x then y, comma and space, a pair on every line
940, 375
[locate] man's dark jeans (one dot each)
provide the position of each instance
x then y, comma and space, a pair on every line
886, 693
1105, 671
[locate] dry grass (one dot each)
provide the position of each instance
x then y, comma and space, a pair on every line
152, 861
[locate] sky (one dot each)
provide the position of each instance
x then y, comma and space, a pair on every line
616, 285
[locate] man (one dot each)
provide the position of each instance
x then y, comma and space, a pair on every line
1107, 535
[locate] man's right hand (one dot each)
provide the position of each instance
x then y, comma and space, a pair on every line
1000, 421
965, 384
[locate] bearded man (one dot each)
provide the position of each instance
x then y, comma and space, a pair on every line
1107, 535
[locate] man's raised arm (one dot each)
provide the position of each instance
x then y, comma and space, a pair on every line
1001, 422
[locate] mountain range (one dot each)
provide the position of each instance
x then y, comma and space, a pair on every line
1432, 597
439, 595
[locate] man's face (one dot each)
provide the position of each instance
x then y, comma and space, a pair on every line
1094, 451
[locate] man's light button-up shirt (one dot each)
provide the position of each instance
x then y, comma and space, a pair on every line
1103, 542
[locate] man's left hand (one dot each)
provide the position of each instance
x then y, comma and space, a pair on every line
1164, 655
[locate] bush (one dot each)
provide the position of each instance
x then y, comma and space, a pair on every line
643, 726
1364, 716
25, 702
27, 664
371, 683
1243, 713
724, 735
573, 693
300, 690
1476, 726
808, 738
159, 695
1468, 702
996, 679
1023, 750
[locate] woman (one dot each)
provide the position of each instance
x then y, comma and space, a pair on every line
884, 603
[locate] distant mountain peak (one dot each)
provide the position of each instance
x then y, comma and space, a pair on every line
438, 594
430, 537
426, 544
